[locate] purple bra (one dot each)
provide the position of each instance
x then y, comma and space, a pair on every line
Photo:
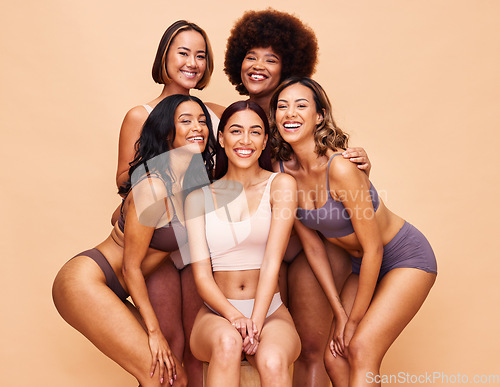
167, 238
332, 220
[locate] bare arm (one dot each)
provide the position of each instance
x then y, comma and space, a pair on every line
129, 134
284, 205
200, 258
352, 188
137, 239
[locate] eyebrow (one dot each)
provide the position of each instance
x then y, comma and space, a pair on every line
297, 100
254, 53
188, 49
251, 127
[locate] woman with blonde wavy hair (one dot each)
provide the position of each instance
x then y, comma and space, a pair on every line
393, 265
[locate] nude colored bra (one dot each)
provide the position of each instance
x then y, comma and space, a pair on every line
332, 220
167, 238
237, 245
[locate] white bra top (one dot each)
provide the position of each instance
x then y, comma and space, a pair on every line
237, 245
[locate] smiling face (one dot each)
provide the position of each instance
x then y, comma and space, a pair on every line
191, 130
296, 114
186, 59
261, 71
244, 138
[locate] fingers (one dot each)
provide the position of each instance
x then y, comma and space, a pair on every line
250, 348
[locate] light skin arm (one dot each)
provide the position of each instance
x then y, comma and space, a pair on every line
352, 188
137, 239
200, 256
284, 205
129, 133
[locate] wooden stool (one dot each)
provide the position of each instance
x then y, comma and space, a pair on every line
249, 376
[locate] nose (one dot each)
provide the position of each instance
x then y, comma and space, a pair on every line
290, 111
257, 64
245, 138
191, 61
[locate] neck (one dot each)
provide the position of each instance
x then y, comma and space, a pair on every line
245, 176
305, 154
262, 101
173, 88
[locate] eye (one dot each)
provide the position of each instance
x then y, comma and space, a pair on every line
202, 57
202, 122
183, 53
302, 105
250, 57
185, 121
257, 132
235, 131
281, 106
272, 61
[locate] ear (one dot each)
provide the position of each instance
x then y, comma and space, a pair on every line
265, 142
221, 140
320, 117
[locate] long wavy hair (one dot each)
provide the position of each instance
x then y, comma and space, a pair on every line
157, 137
220, 155
327, 134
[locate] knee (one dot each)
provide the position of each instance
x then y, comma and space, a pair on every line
311, 350
360, 352
272, 367
227, 347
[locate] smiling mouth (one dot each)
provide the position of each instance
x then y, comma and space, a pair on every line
196, 139
257, 77
292, 127
244, 152
189, 74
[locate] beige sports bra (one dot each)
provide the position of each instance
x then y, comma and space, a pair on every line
238, 245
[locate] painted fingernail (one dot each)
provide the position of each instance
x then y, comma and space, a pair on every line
161, 380
151, 374
171, 382
175, 377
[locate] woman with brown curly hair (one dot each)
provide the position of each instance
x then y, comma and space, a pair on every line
264, 48
393, 265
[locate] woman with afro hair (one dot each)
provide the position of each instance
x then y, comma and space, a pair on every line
265, 48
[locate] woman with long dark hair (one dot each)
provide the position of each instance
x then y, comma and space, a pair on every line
184, 61
91, 290
393, 265
238, 229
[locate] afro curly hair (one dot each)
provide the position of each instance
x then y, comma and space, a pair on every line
287, 35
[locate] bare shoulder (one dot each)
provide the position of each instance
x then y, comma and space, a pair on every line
136, 116
217, 109
150, 187
346, 175
195, 204
284, 182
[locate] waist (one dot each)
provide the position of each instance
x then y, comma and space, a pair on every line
238, 285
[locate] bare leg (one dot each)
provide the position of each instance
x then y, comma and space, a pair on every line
397, 299
312, 314
111, 327
278, 348
164, 289
214, 340
191, 304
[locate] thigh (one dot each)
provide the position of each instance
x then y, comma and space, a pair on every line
79, 287
278, 338
397, 299
208, 329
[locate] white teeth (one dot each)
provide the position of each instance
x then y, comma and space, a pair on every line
244, 151
189, 74
257, 77
291, 126
195, 139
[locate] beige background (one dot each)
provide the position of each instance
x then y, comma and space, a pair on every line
415, 82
